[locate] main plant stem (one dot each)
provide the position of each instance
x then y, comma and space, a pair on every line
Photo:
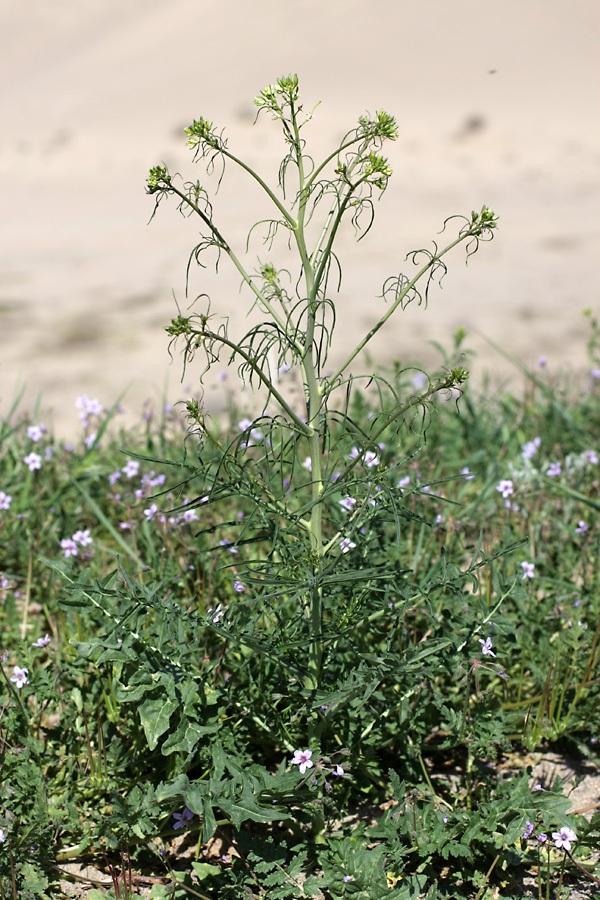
313, 408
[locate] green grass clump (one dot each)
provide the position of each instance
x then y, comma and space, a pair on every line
154, 674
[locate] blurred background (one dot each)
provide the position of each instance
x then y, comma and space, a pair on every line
496, 103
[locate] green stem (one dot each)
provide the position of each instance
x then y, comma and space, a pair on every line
313, 403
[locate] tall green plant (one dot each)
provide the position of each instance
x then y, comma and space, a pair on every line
295, 504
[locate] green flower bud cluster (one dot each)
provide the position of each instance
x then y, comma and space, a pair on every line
378, 166
383, 126
158, 179
180, 325
286, 89
201, 132
483, 221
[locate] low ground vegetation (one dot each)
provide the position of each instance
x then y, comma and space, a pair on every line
134, 712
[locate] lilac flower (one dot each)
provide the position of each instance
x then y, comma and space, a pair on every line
114, 477
528, 570
49, 453
2, 836
404, 482
542, 838
131, 469
541, 362
88, 407
486, 647
529, 449
307, 464
181, 819
245, 424
151, 511
554, 470
348, 503
20, 677
42, 642
36, 432
563, 838
528, 829
33, 461
90, 440
591, 457
467, 473
505, 487
370, 458
239, 587
5, 500
348, 878
69, 546
190, 515
595, 373
217, 613
302, 759
83, 537
228, 546
152, 480
582, 527
346, 544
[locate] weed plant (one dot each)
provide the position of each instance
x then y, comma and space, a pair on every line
313, 652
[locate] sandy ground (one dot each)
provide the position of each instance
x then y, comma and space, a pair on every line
497, 104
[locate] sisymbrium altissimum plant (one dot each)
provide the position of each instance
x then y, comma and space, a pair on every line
297, 331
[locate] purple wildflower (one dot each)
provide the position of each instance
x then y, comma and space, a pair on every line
33, 461
42, 642
83, 537
302, 759
181, 819
528, 570
69, 546
505, 487
36, 432
346, 544
530, 448
563, 838
486, 647
19, 677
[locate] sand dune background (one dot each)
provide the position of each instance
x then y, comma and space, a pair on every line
497, 104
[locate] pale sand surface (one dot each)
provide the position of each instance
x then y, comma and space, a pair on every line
497, 104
